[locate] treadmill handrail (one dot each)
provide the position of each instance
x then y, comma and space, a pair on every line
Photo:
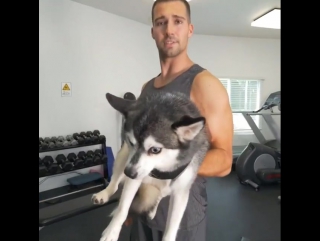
257, 132
254, 113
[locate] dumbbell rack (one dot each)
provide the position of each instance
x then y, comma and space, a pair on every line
66, 193
60, 171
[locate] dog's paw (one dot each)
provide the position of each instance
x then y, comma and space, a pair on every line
100, 197
110, 234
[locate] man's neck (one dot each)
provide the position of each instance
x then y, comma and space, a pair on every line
172, 67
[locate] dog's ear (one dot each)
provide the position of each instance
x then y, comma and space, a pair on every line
119, 104
188, 127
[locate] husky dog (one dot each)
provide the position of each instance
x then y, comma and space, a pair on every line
165, 142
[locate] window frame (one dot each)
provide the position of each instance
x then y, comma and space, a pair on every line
258, 103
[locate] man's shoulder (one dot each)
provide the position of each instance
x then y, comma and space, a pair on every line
205, 79
148, 82
144, 85
207, 88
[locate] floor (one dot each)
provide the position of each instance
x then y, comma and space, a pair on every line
234, 211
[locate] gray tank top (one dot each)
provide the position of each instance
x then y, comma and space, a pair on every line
197, 203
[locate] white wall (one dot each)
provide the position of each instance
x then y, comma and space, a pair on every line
99, 52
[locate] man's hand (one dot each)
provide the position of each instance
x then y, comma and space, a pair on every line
212, 99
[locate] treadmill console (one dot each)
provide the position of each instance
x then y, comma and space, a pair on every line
273, 100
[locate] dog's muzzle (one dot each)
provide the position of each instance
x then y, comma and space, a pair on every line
130, 172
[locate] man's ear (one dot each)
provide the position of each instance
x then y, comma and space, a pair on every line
119, 104
152, 32
191, 29
188, 127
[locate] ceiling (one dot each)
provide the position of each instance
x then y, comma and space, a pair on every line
210, 17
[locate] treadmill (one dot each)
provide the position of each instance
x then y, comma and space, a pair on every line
273, 100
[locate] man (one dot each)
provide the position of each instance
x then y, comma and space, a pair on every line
171, 31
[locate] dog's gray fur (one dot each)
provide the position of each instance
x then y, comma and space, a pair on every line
172, 124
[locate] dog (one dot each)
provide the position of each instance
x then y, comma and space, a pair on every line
165, 142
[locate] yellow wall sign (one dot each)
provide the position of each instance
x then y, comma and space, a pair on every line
66, 89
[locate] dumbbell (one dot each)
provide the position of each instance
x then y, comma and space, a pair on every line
72, 141
42, 169
42, 144
98, 157
77, 162
78, 138
59, 141
64, 164
102, 138
62, 142
87, 139
90, 154
51, 166
88, 160
94, 138
89, 157
49, 142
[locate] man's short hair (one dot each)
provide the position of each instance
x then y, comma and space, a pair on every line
187, 5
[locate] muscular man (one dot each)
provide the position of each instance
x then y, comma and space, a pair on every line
171, 31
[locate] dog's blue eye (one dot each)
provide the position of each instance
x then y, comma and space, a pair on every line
154, 150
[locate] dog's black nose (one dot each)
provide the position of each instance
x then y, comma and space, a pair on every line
130, 172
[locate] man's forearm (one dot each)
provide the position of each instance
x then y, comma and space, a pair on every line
217, 163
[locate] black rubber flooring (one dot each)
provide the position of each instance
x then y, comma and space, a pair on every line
234, 211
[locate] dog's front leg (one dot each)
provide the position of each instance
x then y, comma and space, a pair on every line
177, 206
111, 233
116, 178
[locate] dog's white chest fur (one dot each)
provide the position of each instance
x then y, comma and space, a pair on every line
160, 184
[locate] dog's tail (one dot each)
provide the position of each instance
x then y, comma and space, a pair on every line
145, 199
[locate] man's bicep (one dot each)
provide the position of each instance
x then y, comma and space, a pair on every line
220, 124
213, 101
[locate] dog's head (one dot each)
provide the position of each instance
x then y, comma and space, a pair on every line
161, 131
